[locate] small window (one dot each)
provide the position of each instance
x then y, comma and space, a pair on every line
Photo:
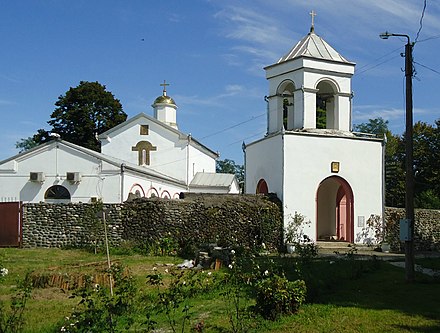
144, 130
57, 192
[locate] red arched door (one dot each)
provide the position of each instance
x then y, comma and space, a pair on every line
262, 187
335, 217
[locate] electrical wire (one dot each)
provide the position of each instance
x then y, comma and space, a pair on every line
431, 69
421, 21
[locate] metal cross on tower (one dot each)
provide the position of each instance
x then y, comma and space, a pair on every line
164, 85
312, 14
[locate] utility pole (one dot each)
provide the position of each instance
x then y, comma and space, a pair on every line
409, 160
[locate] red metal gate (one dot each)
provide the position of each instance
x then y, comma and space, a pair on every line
10, 223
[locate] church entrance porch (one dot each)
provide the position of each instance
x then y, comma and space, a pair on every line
334, 208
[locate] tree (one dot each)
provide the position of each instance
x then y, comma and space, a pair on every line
426, 161
84, 112
42, 136
81, 114
426, 156
229, 166
394, 160
377, 126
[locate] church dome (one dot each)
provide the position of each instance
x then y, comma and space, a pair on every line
164, 99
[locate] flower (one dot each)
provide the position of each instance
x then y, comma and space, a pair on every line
4, 272
266, 272
232, 252
230, 266
209, 273
263, 245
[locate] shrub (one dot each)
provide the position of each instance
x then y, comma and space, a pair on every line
276, 295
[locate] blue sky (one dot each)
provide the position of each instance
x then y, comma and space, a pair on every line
212, 53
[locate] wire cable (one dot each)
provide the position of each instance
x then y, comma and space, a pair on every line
421, 22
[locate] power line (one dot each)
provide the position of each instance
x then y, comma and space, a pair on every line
421, 22
429, 38
233, 126
431, 69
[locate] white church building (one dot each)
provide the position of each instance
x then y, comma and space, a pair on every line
309, 156
144, 156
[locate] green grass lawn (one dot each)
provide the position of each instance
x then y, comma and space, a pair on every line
344, 295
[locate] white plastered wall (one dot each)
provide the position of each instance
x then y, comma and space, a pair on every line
308, 162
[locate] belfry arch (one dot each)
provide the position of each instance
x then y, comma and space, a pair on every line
326, 105
334, 210
285, 92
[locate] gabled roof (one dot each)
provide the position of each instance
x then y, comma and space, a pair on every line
141, 115
103, 157
209, 179
313, 46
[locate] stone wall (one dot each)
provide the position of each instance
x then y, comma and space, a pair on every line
426, 232
246, 220
69, 225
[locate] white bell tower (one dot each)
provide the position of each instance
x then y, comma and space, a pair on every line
310, 88
309, 157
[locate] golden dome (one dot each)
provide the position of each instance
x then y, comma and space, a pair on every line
164, 99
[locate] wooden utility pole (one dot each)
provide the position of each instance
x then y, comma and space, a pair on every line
409, 160
409, 180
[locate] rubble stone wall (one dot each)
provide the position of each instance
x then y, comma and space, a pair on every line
247, 220
426, 232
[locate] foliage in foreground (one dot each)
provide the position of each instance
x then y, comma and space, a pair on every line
11, 320
337, 287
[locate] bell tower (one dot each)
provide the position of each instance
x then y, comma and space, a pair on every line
310, 88
309, 157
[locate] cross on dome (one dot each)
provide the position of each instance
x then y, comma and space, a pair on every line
312, 14
164, 85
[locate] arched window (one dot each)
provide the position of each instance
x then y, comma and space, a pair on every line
153, 193
325, 105
57, 192
137, 190
285, 91
262, 187
166, 195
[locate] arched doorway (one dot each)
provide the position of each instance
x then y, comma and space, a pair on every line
334, 207
262, 187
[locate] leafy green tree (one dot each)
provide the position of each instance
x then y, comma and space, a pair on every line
229, 166
426, 160
80, 115
394, 160
85, 111
40, 137
426, 154
377, 126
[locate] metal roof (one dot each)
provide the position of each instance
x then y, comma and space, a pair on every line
313, 46
212, 179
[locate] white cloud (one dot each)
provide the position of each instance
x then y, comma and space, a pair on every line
365, 112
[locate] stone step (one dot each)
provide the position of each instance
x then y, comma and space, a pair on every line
335, 245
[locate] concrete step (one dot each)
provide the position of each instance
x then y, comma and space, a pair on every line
345, 246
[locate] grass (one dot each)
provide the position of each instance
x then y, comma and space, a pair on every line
344, 295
